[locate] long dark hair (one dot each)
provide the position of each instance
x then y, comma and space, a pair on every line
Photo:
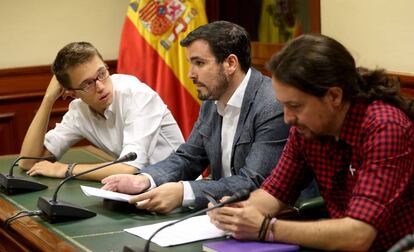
313, 63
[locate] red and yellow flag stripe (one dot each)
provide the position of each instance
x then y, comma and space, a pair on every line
150, 50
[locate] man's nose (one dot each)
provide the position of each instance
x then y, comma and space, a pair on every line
99, 86
289, 117
191, 74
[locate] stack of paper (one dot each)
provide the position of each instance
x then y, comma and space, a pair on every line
191, 230
92, 191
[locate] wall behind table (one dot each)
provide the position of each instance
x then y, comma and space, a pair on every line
31, 33
379, 33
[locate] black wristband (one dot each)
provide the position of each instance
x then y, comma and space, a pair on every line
69, 171
263, 228
263, 237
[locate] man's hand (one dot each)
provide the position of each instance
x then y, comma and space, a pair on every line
54, 90
48, 169
162, 199
241, 219
126, 183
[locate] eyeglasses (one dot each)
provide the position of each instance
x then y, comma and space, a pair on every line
89, 85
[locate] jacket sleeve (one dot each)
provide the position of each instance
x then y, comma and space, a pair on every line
255, 154
186, 163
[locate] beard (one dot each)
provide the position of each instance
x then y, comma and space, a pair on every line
215, 92
308, 134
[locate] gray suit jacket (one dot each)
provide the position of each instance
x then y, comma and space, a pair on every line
258, 143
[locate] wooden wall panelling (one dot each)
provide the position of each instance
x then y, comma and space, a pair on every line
56, 116
22, 90
407, 82
261, 53
23, 107
315, 16
7, 132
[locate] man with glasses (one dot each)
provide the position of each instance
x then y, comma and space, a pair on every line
116, 113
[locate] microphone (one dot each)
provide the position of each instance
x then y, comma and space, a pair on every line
55, 211
236, 197
14, 184
403, 244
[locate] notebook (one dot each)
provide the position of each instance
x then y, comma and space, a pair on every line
232, 245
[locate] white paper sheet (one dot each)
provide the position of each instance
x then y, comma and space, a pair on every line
92, 191
194, 229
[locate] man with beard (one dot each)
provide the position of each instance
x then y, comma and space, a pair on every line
353, 131
239, 133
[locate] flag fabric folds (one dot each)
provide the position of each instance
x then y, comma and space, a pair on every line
150, 50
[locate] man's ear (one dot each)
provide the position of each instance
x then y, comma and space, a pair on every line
69, 93
334, 96
231, 63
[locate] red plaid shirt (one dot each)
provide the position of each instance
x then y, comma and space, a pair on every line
368, 174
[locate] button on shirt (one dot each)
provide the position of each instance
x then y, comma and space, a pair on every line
366, 174
136, 121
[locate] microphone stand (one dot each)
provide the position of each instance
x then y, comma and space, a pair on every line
238, 196
55, 211
14, 184
404, 244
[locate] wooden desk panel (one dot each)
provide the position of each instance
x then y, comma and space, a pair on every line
26, 234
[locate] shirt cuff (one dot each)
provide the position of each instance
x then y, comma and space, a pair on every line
152, 182
369, 211
188, 196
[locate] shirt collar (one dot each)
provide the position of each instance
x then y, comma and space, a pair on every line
110, 110
236, 100
105, 116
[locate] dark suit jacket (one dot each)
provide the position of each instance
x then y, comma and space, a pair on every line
258, 143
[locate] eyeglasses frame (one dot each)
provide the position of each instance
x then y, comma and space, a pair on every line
90, 87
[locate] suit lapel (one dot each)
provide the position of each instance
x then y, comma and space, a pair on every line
248, 99
216, 143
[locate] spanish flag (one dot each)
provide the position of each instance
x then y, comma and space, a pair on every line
150, 50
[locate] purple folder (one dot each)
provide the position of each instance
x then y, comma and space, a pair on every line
232, 245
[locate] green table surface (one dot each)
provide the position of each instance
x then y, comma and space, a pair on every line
103, 232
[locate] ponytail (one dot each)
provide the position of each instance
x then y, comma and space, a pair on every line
376, 85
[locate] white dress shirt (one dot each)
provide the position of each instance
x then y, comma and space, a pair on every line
136, 121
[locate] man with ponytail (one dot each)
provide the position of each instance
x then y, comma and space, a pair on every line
352, 130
